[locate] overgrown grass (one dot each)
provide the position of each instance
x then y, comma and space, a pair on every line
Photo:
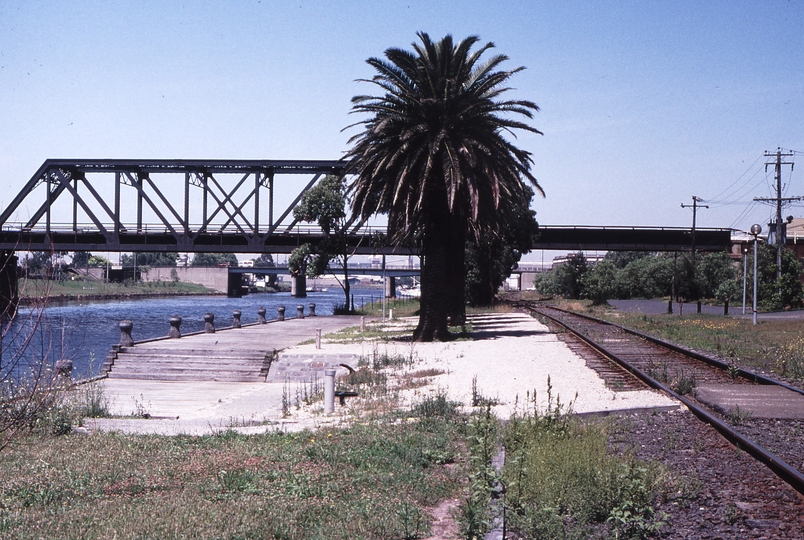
561, 481
403, 307
372, 480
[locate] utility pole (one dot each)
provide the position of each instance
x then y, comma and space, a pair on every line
695, 206
779, 201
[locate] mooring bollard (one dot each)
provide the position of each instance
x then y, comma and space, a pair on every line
209, 323
363, 323
300, 311
280, 313
312, 310
175, 330
236, 318
329, 391
125, 333
64, 369
261, 315
317, 338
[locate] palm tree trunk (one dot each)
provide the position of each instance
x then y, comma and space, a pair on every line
456, 307
434, 284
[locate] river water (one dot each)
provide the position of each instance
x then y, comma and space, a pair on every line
85, 332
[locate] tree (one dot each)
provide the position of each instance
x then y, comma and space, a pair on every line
299, 260
97, 260
491, 259
81, 259
151, 258
264, 261
434, 157
621, 259
650, 276
325, 204
713, 270
598, 282
214, 259
569, 276
776, 294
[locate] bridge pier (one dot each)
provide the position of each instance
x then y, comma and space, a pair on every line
9, 296
390, 287
298, 286
234, 287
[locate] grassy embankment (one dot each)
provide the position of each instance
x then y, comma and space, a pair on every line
51, 289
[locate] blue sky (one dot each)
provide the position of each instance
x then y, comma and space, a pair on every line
644, 104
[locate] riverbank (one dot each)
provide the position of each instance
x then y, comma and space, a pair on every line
36, 291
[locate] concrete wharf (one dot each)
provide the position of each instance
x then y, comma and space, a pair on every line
231, 354
182, 386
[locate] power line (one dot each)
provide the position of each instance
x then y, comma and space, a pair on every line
721, 194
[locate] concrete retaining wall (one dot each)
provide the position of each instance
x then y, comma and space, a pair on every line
213, 277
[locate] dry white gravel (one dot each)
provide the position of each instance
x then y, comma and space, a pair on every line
509, 360
511, 357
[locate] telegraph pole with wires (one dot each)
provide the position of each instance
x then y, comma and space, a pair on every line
695, 206
778, 227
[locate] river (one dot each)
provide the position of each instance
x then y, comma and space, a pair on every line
86, 331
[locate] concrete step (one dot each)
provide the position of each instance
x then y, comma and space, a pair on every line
198, 353
182, 360
219, 377
177, 367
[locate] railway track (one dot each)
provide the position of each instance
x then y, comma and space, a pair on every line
676, 371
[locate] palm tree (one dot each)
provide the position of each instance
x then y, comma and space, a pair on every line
433, 155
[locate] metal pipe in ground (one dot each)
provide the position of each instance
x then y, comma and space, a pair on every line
317, 338
329, 391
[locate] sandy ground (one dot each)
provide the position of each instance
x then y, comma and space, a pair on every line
508, 361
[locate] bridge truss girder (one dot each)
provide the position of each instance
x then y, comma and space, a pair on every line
213, 206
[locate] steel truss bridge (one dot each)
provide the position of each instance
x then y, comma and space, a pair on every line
229, 206
193, 206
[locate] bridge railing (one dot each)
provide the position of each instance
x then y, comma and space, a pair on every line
90, 228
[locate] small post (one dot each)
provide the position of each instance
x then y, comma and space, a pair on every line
175, 323
755, 230
312, 310
300, 311
209, 323
236, 319
126, 325
261, 315
391, 313
670, 306
280, 313
317, 338
699, 306
363, 323
329, 391
726, 306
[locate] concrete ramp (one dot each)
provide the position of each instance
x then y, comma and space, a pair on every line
762, 401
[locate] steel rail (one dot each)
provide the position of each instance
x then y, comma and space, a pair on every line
782, 469
714, 362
